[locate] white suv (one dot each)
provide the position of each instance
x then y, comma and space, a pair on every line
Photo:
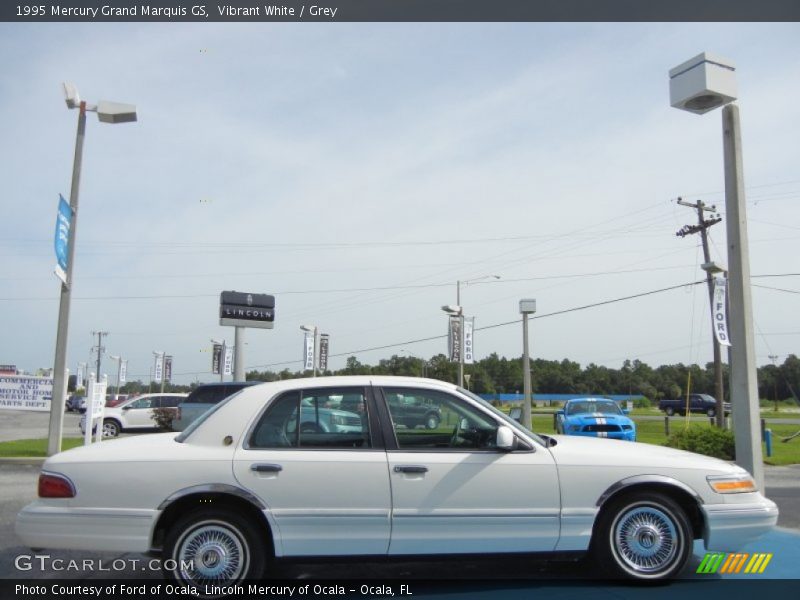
134, 413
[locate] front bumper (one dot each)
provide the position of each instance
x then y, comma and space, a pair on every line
629, 435
731, 526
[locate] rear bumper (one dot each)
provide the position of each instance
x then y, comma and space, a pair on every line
731, 526
42, 526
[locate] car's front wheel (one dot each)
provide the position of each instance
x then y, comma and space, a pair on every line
670, 411
213, 547
110, 428
711, 412
644, 536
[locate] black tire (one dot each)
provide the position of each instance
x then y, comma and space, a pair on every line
711, 412
670, 411
217, 546
111, 428
643, 536
432, 421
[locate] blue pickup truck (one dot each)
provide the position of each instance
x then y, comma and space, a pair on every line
698, 403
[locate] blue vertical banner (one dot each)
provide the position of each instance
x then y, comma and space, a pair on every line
63, 227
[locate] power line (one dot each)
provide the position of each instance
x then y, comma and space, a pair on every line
496, 325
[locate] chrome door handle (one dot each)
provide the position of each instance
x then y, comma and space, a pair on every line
266, 468
410, 469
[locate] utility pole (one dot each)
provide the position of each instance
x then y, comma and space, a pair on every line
100, 349
702, 228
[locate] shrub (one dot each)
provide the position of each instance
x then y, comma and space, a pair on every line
642, 403
703, 439
163, 417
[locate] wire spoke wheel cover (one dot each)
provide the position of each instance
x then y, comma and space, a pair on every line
212, 552
645, 539
644, 536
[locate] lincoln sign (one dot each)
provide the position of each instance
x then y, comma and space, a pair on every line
247, 310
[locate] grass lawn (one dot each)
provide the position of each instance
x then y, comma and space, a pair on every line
33, 448
652, 432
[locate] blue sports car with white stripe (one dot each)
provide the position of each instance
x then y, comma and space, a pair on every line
595, 417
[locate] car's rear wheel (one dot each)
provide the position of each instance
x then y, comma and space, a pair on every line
432, 421
711, 412
110, 428
644, 536
213, 546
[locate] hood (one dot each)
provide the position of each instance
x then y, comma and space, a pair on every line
588, 451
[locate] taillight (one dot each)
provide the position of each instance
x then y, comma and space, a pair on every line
52, 485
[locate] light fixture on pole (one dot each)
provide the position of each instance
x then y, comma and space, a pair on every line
314, 350
526, 307
699, 85
107, 112
457, 337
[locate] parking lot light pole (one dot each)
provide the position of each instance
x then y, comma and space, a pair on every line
526, 307
699, 85
107, 112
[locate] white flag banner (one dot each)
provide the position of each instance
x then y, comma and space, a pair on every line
721, 311
228, 366
80, 377
159, 368
469, 328
123, 371
308, 351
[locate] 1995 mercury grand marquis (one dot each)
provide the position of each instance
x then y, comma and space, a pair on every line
325, 467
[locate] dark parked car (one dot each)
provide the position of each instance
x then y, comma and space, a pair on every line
74, 402
204, 397
413, 412
698, 403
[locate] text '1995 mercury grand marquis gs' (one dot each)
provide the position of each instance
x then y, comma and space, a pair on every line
327, 467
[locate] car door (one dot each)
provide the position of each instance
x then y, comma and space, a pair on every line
137, 413
453, 491
320, 467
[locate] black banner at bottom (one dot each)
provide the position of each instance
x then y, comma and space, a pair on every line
111, 589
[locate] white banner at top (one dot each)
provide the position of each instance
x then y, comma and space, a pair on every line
308, 351
720, 311
123, 371
469, 328
158, 370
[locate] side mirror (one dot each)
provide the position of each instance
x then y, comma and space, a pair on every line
506, 440
126, 408
625, 411
560, 412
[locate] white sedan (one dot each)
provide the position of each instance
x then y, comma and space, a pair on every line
134, 413
261, 476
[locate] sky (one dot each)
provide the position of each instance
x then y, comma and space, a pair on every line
357, 172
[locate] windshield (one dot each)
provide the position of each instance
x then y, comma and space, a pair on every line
511, 422
202, 418
603, 407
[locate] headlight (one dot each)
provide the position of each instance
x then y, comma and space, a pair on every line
732, 484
